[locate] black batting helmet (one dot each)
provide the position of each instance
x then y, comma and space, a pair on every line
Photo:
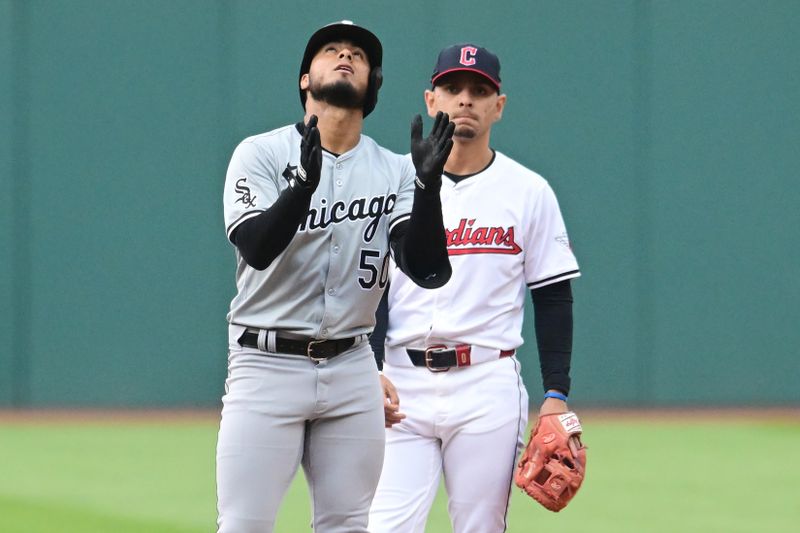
362, 37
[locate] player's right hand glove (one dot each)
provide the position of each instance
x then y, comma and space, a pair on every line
553, 465
430, 154
310, 168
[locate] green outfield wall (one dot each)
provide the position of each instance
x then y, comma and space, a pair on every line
669, 131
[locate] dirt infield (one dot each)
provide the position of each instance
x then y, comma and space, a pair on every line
172, 416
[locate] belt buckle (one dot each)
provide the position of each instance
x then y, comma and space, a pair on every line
429, 357
310, 349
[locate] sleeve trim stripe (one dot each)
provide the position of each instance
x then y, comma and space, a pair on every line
553, 279
398, 220
245, 216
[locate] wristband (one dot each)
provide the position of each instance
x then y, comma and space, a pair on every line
558, 395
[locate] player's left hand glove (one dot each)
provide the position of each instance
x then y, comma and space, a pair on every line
553, 465
430, 154
310, 168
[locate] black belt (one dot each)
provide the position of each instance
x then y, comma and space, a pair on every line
442, 358
316, 350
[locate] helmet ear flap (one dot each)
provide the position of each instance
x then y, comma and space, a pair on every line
376, 78
375, 82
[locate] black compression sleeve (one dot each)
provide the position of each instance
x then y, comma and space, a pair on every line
420, 248
378, 336
552, 305
262, 238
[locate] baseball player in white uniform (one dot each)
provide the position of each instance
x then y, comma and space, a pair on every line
455, 401
312, 210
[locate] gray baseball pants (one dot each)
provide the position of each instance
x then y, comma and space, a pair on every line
280, 411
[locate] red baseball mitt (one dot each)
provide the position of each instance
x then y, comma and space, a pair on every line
553, 465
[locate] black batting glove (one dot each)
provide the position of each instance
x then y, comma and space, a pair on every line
430, 154
310, 168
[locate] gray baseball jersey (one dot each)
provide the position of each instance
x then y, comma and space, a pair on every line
328, 281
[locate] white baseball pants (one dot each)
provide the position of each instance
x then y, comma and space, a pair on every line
468, 424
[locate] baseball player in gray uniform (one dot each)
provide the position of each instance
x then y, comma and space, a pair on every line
313, 210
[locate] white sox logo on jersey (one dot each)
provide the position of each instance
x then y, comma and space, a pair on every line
244, 191
466, 239
468, 54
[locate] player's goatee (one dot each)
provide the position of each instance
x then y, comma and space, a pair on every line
464, 132
338, 94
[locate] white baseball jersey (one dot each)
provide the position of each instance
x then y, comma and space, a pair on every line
505, 232
328, 281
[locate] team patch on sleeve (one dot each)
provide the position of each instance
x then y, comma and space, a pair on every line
245, 197
563, 240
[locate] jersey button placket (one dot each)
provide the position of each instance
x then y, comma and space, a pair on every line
339, 166
335, 266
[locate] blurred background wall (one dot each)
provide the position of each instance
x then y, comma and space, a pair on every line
668, 129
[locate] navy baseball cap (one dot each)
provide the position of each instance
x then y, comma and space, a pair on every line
470, 58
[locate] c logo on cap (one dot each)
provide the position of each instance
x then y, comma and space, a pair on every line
468, 54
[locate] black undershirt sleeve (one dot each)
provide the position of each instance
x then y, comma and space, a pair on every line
419, 245
552, 306
378, 335
419, 249
262, 238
